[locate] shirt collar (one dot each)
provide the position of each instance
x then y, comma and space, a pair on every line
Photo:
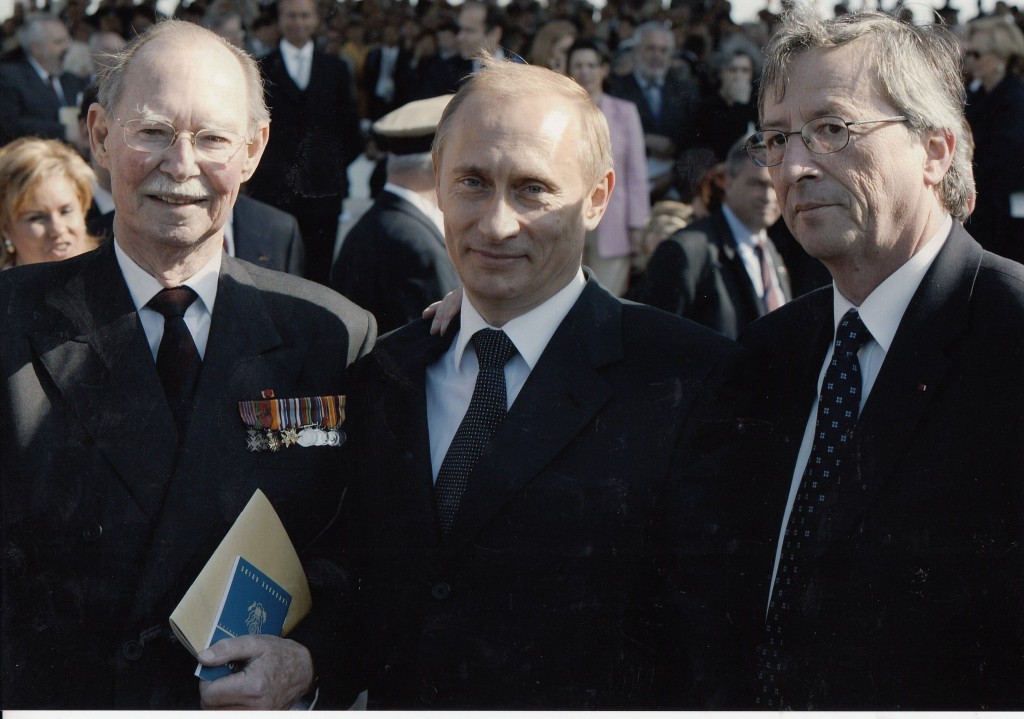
304, 51
884, 308
743, 234
143, 286
529, 332
43, 74
644, 83
419, 202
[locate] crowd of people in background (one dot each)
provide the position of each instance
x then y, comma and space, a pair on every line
677, 83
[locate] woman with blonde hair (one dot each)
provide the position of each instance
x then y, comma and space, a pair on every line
45, 192
551, 44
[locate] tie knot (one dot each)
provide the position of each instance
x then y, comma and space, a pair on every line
493, 348
173, 301
851, 334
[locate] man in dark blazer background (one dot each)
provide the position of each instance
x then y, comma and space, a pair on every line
316, 135
723, 271
667, 102
554, 580
118, 482
33, 90
393, 261
894, 579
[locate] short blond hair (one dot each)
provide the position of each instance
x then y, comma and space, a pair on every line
508, 80
29, 161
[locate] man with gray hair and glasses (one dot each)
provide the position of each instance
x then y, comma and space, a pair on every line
891, 501
126, 376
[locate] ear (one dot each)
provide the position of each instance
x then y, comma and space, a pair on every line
99, 126
597, 203
938, 155
254, 151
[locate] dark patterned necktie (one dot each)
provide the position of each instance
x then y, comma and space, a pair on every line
486, 410
177, 359
793, 596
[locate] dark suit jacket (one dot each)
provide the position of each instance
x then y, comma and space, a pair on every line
314, 133
678, 107
393, 262
267, 237
263, 235
105, 524
997, 123
28, 106
371, 74
698, 273
920, 571
548, 592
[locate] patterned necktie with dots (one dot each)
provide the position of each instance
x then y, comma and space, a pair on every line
793, 596
486, 410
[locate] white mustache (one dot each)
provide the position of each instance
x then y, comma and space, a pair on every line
190, 190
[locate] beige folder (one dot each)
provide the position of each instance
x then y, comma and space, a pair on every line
259, 536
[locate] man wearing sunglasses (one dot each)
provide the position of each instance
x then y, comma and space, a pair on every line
890, 498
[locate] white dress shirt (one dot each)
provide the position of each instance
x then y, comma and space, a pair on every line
746, 244
450, 380
143, 287
298, 62
881, 313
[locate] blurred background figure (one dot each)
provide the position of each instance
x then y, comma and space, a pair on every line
551, 45
729, 112
723, 271
47, 189
994, 57
393, 262
608, 249
35, 89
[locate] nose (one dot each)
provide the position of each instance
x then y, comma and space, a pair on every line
179, 160
798, 162
499, 221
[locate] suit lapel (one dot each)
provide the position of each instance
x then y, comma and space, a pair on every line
90, 342
916, 365
563, 393
730, 258
244, 356
402, 416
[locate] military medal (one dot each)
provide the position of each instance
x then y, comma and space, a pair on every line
275, 424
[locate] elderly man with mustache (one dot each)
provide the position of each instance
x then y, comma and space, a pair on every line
125, 456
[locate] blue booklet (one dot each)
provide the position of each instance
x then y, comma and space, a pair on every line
253, 603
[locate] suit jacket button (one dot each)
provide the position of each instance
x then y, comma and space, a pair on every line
441, 590
92, 532
428, 693
132, 650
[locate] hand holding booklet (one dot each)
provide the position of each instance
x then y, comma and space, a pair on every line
253, 584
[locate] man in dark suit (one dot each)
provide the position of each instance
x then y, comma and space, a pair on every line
890, 497
481, 27
723, 271
125, 457
34, 90
316, 135
385, 70
667, 103
529, 560
393, 261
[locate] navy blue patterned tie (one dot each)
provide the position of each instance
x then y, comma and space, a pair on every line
486, 410
793, 596
177, 359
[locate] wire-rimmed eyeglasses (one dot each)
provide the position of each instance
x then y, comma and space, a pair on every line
822, 136
147, 135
